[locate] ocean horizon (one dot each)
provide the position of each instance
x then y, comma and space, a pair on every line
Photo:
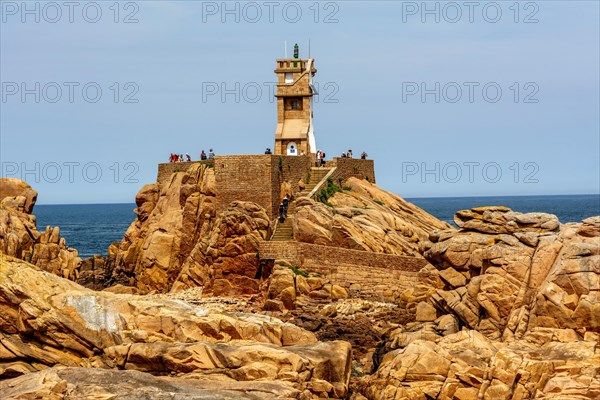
91, 228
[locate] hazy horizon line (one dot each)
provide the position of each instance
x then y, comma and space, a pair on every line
411, 197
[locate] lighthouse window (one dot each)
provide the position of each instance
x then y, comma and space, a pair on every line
294, 103
289, 77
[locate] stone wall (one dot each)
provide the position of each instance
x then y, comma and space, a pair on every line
245, 178
294, 169
353, 167
258, 178
373, 276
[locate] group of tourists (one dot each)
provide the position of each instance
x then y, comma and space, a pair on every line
180, 158
348, 154
211, 155
320, 158
204, 156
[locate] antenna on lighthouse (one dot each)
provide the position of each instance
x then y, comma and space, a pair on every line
285, 48
308, 48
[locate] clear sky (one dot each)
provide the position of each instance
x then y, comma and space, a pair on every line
450, 99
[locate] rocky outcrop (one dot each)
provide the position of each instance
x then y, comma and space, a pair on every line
85, 383
507, 308
20, 238
503, 220
507, 272
180, 241
17, 195
288, 284
546, 364
516, 314
364, 217
96, 272
225, 261
169, 221
49, 321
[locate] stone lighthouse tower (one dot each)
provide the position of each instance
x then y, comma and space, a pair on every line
295, 133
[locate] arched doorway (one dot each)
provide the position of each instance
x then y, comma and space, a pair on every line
292, 149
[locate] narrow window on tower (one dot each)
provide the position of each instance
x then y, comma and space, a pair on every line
294, 103
289, 77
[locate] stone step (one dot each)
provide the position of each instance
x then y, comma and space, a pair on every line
316, 171
286, 230
286, 233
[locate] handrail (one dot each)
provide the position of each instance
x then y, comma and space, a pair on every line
274, 229
321, 182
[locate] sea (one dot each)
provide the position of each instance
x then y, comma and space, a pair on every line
91, 228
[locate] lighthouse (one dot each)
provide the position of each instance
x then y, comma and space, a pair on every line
294, 134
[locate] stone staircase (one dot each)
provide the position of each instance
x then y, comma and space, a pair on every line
284, 231
316, 176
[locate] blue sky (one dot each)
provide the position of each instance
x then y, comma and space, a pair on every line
540, 136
